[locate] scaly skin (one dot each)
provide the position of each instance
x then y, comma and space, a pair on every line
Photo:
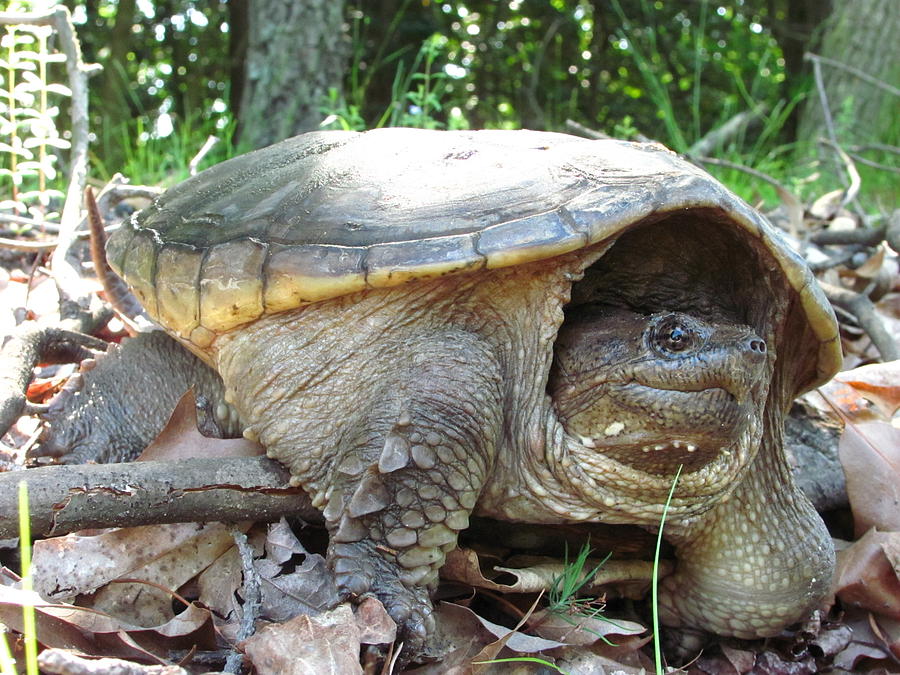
118, 404
400, 409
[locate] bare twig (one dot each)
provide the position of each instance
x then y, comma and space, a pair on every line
823, 102
851, 190
201, 153
865, 236
873, 164
585, 132
880, 147
816, 59
726, 131
20, 245
117, 293
68, 498
861, 307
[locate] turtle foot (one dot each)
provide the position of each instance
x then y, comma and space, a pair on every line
361, 571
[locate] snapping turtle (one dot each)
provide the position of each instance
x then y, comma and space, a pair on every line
421, 325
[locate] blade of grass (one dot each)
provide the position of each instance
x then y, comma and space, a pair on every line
7, 664
28, 621
657, 648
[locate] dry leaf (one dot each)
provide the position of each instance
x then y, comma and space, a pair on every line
870, 455
64, 567
580, 629
628, 576
878, 383
327, 643
181, 439
868, 573
376, 627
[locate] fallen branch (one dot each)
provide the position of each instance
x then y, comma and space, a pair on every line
67, 498
861, 307
32, 343
724, 133
864, 236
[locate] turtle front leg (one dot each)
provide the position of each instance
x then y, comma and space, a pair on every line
758, 561
397, 501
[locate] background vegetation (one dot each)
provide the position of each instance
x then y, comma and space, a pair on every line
176, 71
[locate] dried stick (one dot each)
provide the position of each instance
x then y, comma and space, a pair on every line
201, 153
726, 131
68, 498
862, 308
851, 190
31, 246
816, 58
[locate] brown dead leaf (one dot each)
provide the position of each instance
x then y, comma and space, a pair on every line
874, 642
870, 455
878, 383
64, 567
580, 629
181, 439
868, 573
376, 627
599, 660
844, 401
826, 207
516, 640
62, 662
327, 643
281, 543
91, 632
219, 583
295, 581
150, 604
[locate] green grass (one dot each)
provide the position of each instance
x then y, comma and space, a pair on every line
654, 593
152, 160
29, 624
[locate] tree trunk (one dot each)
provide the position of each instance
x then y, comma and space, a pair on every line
296, 52
862, 35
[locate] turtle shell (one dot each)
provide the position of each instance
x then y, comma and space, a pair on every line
330, 213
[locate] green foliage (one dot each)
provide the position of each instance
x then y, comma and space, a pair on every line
630, 68
29, 138
563, 598
153, 159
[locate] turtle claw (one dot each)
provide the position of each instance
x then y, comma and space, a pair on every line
361, 572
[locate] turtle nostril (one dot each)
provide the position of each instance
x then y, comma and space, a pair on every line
757, 345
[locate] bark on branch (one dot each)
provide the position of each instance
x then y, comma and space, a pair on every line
68, 498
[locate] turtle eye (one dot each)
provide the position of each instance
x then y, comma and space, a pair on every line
675, 334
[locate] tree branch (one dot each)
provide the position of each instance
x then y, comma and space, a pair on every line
67, 498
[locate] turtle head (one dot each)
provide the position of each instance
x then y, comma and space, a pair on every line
657, 391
